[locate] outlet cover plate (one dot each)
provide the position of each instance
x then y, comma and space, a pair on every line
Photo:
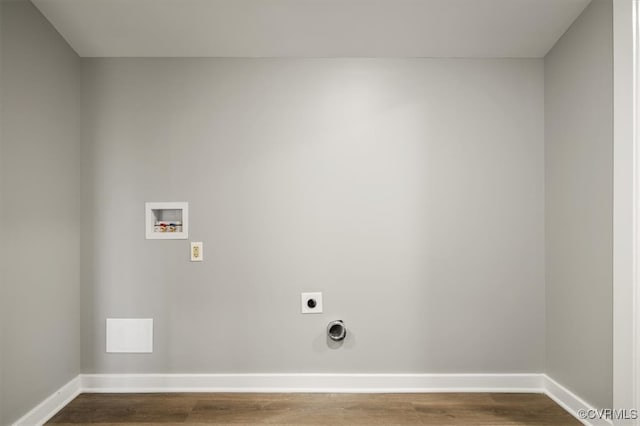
196, 251
304, 299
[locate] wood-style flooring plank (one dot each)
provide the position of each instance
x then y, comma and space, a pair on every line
313, 409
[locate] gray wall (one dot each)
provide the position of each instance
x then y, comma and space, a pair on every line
3, 295
40, 210
579, 195
411, 192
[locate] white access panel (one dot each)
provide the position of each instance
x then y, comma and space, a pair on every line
129, 335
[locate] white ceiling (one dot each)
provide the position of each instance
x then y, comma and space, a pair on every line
312, 28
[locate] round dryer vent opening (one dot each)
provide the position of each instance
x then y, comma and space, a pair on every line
336, 330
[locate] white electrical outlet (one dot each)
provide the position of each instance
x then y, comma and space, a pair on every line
311, 303
196, 251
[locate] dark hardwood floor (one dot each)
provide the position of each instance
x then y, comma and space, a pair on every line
306, 409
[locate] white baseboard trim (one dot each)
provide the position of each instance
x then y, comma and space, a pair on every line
50, 406
333, 383
571, 402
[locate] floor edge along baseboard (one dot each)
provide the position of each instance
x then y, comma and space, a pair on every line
331, 383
